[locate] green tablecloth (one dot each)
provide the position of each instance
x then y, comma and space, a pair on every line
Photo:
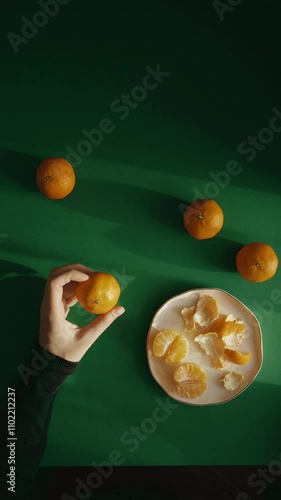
125, 215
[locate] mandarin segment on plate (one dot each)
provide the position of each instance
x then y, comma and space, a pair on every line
190, 380
231, 330
238, 358
162, 342
207, 311
202, 314
188, 316
171, 346
232, 380
177, 351
214, 347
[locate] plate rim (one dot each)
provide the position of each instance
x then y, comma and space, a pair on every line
260, 342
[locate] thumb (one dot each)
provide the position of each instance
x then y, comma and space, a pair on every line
92, 332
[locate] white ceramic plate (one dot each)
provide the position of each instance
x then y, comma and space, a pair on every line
169, 317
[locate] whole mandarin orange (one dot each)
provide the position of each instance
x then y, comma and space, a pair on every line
55, 178
203, 219
99, 294
257, 262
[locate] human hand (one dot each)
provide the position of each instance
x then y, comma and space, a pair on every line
59, 336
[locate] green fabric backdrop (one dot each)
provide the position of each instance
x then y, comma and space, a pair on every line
125, 215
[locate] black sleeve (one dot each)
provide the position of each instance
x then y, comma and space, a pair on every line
34, 399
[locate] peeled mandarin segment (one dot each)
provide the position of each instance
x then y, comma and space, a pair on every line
177, 350
187, 371
237, 357
232, 325
191, 390
202, 314
231, 331
213, 346
162, 341
232, 380
206, 311
188, 315
190, 380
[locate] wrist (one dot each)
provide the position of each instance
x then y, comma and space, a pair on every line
54, 360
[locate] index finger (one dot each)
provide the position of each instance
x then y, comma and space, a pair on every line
78, 267
55, 284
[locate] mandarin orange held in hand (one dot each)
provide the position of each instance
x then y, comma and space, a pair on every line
99, 294
55, 178
203, 219
257, 262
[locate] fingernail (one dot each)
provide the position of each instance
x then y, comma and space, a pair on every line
118, 311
